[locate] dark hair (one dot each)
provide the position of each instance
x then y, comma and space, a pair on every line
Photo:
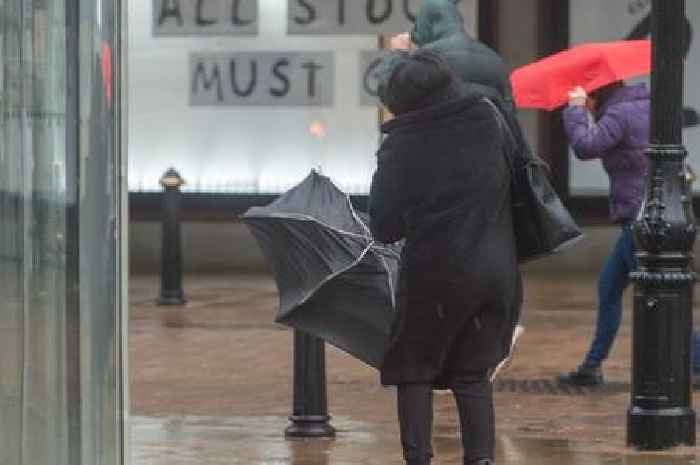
410, 80
603, 94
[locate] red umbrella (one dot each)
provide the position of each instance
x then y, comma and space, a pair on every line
545, 84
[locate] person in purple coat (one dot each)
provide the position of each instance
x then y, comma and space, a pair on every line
612, 124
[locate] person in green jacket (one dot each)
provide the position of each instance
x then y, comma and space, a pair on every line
439, 27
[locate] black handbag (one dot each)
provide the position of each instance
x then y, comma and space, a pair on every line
541, 222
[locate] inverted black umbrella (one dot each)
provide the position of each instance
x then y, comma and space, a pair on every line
334, 281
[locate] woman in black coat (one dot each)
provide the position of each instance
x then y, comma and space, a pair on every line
442, 183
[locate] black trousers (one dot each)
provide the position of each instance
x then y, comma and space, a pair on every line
473, 394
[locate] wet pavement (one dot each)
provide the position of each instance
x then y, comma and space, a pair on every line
210, 384
258, 441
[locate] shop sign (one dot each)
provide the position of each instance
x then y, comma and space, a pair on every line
369, 60
205, 17
262, 79
366, 17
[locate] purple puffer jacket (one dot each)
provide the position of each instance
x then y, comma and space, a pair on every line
618, 138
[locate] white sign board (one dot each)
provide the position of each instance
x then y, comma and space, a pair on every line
351, 16
369, 60
262, 79
603, 20
205, 17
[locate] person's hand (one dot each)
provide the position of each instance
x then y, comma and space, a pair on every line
578, 97
689, 174
400, 42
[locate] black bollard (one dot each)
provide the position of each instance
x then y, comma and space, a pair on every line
661, 415
309, 417
171, 257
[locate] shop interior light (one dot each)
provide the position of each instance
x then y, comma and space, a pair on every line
317, 129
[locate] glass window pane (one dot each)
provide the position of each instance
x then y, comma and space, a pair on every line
99, 200
59, 321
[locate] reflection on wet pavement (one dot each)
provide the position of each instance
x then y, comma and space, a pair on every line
210, 384
260, 441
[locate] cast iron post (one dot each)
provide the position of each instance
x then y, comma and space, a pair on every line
171, 259
310, 405
661, 415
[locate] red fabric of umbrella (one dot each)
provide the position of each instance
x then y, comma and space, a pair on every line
545, 84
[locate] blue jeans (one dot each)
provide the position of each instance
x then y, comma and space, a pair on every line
612, 282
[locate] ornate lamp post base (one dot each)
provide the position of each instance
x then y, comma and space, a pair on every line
660, 429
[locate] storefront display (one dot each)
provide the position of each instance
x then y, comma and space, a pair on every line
254, 113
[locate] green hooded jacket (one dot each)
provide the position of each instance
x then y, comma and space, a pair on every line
440, 26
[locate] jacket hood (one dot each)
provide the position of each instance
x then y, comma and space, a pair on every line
436, 20
626, 93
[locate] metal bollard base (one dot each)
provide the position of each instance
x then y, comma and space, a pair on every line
176, 298
312, 426
655, 430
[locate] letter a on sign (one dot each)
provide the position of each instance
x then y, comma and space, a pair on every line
205, 17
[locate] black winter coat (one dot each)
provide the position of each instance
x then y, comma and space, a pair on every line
443, 185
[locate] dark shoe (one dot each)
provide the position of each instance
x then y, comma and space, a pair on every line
584, 375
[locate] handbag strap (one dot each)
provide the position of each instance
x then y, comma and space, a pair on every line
515, 144
505, 130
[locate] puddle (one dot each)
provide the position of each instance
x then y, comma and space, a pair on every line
260, 441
